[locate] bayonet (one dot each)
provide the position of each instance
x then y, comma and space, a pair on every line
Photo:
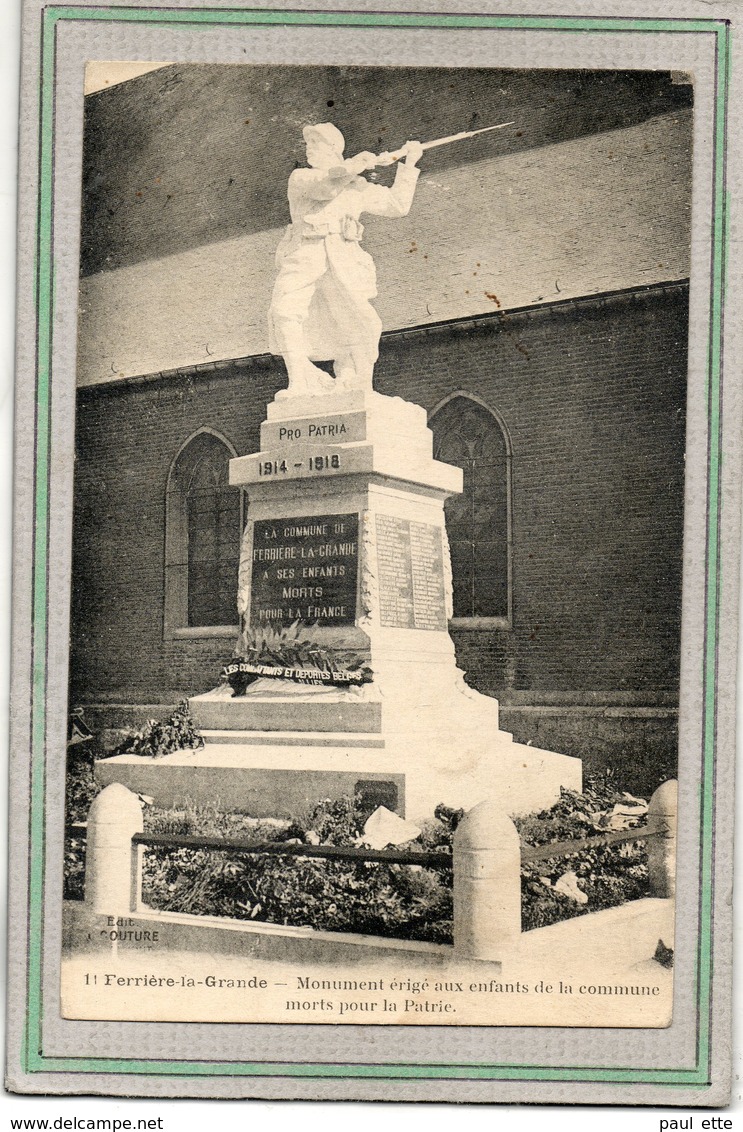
400, 153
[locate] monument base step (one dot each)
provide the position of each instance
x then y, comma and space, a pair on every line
268, 707
227, 778
293, 738
416, 772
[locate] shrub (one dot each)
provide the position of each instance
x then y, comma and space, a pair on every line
74, 868
80, 790
407, 902
81, 787
608, 875
157, 739
404, 901
154, 739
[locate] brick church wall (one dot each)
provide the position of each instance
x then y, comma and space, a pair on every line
592, 394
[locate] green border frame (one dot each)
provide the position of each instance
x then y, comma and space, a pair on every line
32, 1057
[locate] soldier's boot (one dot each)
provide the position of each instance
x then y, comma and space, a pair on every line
305, 378
353, 371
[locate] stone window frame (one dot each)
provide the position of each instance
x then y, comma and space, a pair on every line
175, 614
502, 622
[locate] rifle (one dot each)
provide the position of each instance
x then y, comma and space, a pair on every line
397, 154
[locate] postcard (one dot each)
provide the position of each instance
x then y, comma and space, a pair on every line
376, 554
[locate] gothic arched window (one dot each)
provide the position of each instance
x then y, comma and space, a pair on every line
203, 523
478, 522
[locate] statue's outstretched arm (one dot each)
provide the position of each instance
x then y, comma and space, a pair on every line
397, 200
363, 161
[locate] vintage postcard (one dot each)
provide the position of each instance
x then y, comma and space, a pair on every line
376, 554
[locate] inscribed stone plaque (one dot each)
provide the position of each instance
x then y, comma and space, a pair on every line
305, 569
338, 428
410, 561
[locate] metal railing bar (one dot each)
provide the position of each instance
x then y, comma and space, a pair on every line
281, 849
566, 848
529, 853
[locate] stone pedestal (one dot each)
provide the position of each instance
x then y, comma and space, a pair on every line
346, 533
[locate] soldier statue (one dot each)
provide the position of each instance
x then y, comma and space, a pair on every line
321, 304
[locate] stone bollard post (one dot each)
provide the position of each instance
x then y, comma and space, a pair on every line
110, 858
662, 813
487, 883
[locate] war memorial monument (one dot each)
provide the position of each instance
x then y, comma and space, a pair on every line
346, 542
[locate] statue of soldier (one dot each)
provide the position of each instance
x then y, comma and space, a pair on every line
321, 304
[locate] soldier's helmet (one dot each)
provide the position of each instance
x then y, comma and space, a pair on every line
326, 133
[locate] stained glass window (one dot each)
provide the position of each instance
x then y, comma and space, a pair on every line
204, 523
213, 517
477, 521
